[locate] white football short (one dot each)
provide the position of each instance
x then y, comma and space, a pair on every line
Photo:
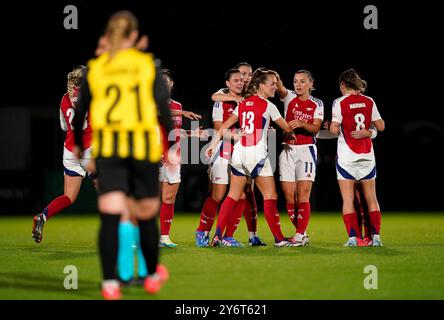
356, 170
219, 171
298, 163
170, 174
74, 167
251, 161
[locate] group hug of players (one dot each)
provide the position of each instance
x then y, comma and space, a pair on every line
239, 161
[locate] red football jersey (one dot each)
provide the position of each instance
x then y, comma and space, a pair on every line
221, 112
177, 122
307, 111
254, 115
67, 111
354, 112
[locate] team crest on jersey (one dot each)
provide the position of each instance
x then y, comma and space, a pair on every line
230, 110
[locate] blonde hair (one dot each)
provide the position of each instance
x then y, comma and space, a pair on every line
119, 27
74, 78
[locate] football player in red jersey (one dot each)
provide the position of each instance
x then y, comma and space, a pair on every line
169, 176
297, 161
352, 113
250, 158
220, 162
249, 204
74, 170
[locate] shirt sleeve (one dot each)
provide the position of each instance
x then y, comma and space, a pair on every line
375, 112
319, 112
63, 124
287, 99
218, 112
336, 112
236, 111
273, 111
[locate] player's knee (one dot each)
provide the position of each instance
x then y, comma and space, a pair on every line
217, 197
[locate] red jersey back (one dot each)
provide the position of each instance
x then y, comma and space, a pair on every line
355, 112
67, 111
307, 111
254, 115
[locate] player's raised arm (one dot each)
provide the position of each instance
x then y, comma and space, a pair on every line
223, 127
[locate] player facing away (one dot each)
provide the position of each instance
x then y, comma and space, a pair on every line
74, 169
364, 230
297, 161
355, 156
250, 157
169, 176
124, 94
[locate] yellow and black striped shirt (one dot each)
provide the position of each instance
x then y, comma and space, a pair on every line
123, 95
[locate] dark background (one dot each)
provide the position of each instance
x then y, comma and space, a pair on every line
199, 41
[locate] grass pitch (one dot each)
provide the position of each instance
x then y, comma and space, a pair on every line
410, 265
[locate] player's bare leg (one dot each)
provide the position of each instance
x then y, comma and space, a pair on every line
71, 186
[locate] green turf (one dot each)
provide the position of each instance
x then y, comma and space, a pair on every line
410, 265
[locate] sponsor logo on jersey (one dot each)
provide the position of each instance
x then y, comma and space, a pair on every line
249, 103
357, 105
309, 109
230, 110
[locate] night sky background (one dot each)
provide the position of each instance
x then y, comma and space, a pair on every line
199, 41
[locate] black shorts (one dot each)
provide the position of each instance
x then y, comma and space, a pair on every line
138, 179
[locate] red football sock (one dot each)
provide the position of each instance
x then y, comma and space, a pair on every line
367, 228
250, 211
290, 212
56, 205
351, 223
235, 218
226, 210
375, 221
272, 215
304, 211
166, 218
207, 215
359, 214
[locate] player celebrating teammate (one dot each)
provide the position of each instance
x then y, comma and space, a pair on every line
250, 158
297, 161
227, 98
355, 161
169, 176
74, 169
219, 170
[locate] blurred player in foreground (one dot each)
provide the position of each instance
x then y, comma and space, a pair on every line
124, 93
